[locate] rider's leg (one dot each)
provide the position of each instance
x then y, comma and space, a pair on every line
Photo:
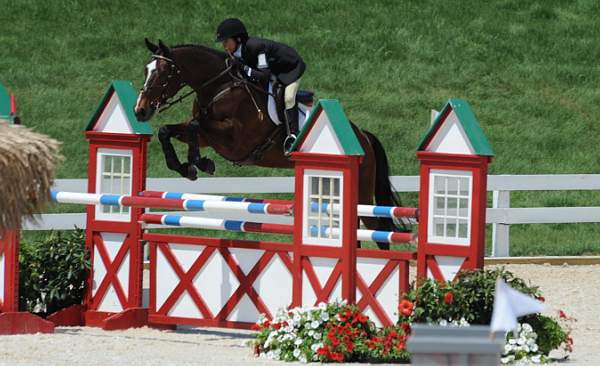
291, 114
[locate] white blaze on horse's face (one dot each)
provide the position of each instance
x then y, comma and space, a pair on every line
149, 70
145, 111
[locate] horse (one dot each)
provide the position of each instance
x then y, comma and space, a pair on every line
227, 115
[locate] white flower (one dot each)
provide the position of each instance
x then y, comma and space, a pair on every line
504, 360
311, 332
525, 348
315, 324
296, 353
270, 355
512, 341
303, 359
315, 347
324, 316
521, 341
298, 341
297, 318
536, 359
508, 348
444, 323
317, 336
526, 327
322, 306
534, 347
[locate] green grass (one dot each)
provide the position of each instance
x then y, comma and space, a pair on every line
529, 69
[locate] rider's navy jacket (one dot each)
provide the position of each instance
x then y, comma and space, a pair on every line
281, 60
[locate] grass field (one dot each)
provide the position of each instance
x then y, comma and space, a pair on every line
528, 68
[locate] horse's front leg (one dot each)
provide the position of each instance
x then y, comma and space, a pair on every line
165, 133
193, 140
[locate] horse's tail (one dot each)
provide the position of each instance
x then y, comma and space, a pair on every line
384, 193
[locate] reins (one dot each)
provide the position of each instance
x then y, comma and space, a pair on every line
238, 81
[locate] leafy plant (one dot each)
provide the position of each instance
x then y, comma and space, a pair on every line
334, 332
53, 271
470, 299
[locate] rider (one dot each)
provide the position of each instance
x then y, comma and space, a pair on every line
261, 56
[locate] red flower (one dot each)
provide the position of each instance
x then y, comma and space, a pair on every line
401, 345
331, 335
335, 342
405, 307
276, 325
266, 323
405, 328
323, 351
541, 298
562, 314
372, 344
448, 298
337, 356
255, 327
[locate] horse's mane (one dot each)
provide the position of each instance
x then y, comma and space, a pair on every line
202, 48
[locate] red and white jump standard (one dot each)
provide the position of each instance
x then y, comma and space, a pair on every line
201, 280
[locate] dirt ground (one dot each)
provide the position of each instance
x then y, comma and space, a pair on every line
574, 289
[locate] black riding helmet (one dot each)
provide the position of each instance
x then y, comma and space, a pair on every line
231, 28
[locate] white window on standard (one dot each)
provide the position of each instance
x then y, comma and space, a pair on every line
323, 202
450, 200
113, 177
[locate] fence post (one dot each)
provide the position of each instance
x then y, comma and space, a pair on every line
500, 232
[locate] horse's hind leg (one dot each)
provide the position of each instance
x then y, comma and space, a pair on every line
165, 133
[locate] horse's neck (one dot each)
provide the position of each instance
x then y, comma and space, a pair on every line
202, 66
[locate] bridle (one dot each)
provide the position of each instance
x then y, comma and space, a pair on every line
175, 70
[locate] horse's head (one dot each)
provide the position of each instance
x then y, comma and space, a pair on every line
162, 81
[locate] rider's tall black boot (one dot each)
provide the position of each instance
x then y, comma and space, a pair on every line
291, 124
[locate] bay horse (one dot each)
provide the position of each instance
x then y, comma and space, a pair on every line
227, 115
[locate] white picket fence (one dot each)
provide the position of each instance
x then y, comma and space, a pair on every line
500, 215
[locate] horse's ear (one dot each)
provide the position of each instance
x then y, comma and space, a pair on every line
166, 51
151, 46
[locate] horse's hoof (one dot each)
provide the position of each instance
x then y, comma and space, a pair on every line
206, 165
188, 171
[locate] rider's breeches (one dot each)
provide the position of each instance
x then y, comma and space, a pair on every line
289, 95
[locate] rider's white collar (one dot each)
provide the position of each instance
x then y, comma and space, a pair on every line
238, 52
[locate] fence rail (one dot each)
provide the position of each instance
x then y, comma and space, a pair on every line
500, 215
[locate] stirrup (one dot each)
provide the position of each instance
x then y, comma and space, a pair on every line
287, 144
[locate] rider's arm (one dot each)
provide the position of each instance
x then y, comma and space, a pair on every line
257, 75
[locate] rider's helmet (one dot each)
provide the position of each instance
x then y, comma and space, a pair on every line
231, 28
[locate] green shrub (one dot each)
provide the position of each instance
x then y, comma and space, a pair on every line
53, 272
